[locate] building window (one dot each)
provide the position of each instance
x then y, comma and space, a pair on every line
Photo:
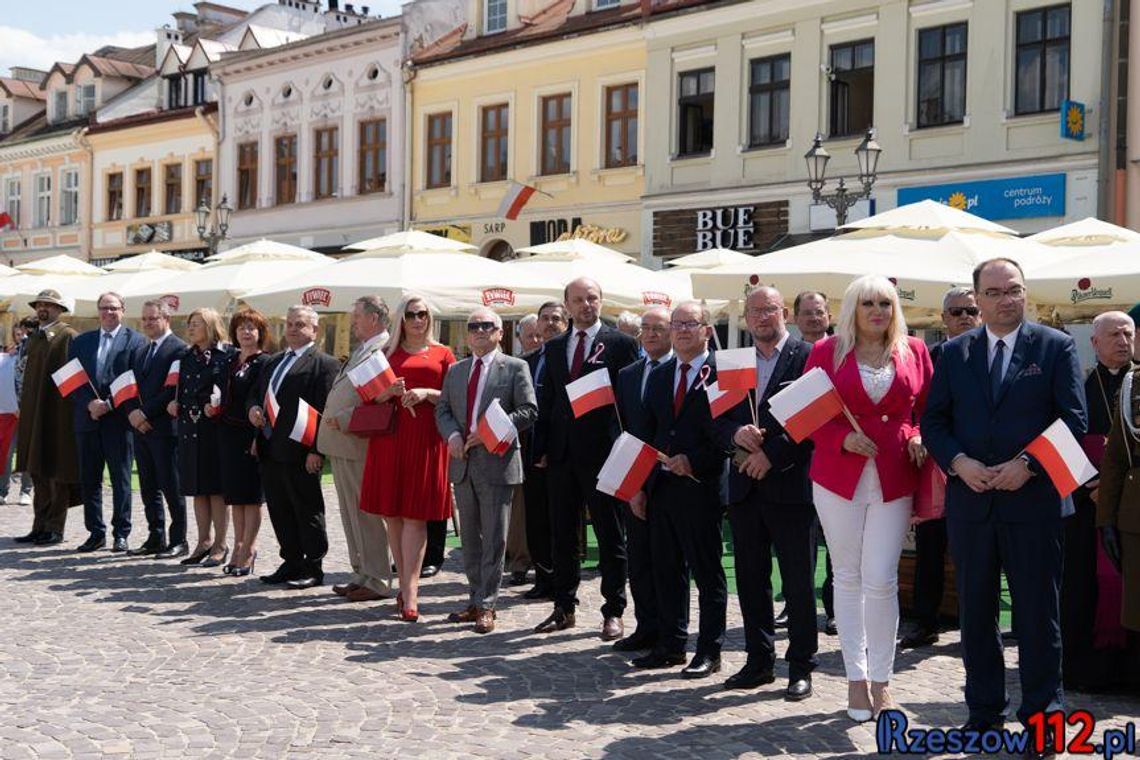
556, 121
600, 4
372, 161
69, 196
1042, 77
174, 92
204, 182
852, 87
695, 112
439, 150
326, 153
172, 183
493, 144
60, 105
769, 100
942, 75
5, 118
199, 84
285, 169
114, 196
247, 175
84, 99
621, 126
42, 210
142, 192
12, 200
494, 15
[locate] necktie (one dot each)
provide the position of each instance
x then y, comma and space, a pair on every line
101, 354
282, 368
579, 355
996, 369
473, 390
149, 356
682, 389
645, 378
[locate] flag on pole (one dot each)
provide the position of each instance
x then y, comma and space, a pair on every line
496, 430
304, 429
590, 392
172, 373
124, 388
372, 376
272, 408
720, 401
736, 369
627, 467
1064, 460
69, 377
517, 196
5, 221
806, 404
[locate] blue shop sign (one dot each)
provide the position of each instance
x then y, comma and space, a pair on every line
1013, 198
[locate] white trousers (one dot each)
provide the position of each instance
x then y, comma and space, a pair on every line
865, 538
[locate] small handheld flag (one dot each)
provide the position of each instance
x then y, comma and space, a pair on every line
496, 430
372, 376
736, 369
172, 374
627, 467
590, 392
304, 429
1064, 460
69, 377
124, 388
806, 404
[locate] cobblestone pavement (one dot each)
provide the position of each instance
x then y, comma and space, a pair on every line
107, 655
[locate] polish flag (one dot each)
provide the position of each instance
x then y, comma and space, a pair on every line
372, 376
627, 467
272, 408
304, 429
1064, 460
496, 430
590, 392
806, 404
736, 369
5, 221
517, 196
172, 373
123, 388
69, 377
720, 401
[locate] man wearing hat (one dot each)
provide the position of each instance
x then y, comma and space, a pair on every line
45, 439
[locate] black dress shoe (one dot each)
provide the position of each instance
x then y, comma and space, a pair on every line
173, 551
656, 660
798, 688
280, 575
428, 571
782, 618
830, 628
981, 726
538, 592
150, 546
518, 578
702, 666
635, 642
49, 538
119, 545
750, 676
559, 620
919, 637
92, 543
308, 581
29, 538
1046, 751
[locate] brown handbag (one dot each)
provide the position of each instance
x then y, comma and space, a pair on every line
373, 420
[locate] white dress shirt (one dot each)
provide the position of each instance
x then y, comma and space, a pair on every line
572, 344
486, 359
991, 348
650, 366
695, 365
766, 366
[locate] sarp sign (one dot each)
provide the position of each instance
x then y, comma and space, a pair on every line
1013, 198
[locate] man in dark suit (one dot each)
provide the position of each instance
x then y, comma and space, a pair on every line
681, 499
156, 437
657, 347
573, 450
291, 471
995, 389
102, 432
770, 504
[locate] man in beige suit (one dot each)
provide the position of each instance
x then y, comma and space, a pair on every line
364, 533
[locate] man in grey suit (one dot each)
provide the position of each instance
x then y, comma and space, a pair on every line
364, 533
484, 482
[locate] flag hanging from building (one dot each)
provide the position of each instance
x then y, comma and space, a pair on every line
736, 369
172, 373
5, 221
69, 377
517, 196
372, 376
1064, 460
627, 467
124, 388
496, 430
590, 392
804, 405
720, 401
304, 429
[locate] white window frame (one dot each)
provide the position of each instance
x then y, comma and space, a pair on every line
12, 199
603, 4
41, 210
84, 104
487, 29
69, 197
59, 98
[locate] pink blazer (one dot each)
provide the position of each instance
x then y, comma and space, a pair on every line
891, 423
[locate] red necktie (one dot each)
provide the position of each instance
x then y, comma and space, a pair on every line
579, 356
473, 390
682, 389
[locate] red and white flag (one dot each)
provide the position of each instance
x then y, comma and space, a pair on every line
627, 467
806, 404
496, 430
272, 408
304, 429
720, 401
372, 376
590, 392
517, 196
1064, 460
5, 221
69, 377
124, 388
172, 373
736, 369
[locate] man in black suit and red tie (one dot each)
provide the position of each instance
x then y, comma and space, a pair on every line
573, 451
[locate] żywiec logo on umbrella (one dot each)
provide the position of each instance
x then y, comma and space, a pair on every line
1086, 292
904, 294
498, 297
654, 298
316, 297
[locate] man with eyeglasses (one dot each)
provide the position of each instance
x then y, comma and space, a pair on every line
484, 481
102, 431
995, 389
811, 315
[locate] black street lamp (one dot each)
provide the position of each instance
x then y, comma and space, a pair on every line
867, 154
215, 233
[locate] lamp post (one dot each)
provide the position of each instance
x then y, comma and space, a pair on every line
842, 199
208, 232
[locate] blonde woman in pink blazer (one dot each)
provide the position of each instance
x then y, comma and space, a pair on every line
864, 482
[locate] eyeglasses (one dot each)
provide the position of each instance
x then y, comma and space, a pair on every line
763, 311
690, 324
869, 304
957, 311
1014, 291
422, 314
482, 326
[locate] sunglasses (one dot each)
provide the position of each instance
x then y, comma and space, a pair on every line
481, 326
416, 314
957, 311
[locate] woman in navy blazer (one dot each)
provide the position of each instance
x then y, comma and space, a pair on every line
864, 482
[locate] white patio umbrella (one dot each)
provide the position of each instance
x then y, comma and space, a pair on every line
928, 215
572, 248
266, 250
63, 273
1096, 268
140, 273
714, 257
625, 286
1086, 233
410, 241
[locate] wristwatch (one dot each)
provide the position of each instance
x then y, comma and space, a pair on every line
1028, 463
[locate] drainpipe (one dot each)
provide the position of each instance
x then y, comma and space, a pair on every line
1104, 127
1132, 103
89, 191
408, 71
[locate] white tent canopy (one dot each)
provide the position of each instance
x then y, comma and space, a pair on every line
410, 241
572, 248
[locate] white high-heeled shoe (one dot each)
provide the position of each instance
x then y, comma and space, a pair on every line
858, 714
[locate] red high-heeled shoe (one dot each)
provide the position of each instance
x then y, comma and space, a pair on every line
409, 614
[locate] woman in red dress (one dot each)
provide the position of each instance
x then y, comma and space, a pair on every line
405, 474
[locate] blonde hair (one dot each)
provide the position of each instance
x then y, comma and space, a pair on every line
215, 327
398, 324
870, 286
